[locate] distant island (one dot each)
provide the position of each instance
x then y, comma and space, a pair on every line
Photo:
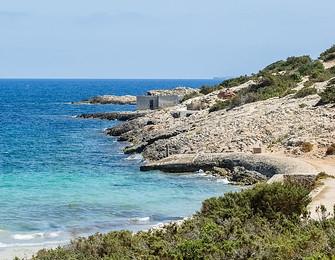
274, 130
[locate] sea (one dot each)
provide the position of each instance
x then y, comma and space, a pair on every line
61, 177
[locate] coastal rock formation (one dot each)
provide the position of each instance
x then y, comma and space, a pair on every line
267, 165
121, 116
278, 125
179, 91
110, 99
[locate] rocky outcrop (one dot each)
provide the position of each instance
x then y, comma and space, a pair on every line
238, 175
267, 165
179, 91
110, 99
121, 116
277, 124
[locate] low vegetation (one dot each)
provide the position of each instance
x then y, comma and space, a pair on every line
306, 147
305, 91
260, 223
267, 86
209, 89
191, 95
277, 80
291, 64
229, 83
331, 150
328, 54
328, 95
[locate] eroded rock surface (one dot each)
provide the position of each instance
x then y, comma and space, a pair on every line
110, 99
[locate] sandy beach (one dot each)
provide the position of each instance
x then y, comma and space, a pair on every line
25, 252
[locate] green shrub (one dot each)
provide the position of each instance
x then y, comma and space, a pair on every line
191, 95
209, 89
328, 54
229, 83
328, 95
268, 86
306, 147
312, 68
305, 91
219, 105
263, 222
289, 65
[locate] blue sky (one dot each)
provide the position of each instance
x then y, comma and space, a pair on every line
156, 38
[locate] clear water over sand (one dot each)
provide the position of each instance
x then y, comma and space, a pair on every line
61, 177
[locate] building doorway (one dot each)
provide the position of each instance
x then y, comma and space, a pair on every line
151, 104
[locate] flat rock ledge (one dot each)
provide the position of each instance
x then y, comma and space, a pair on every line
110, 99
121, 116
267, 165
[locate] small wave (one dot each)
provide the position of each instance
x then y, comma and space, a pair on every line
143, 220
52, 234
223, 180
135, 157
36, 235
201, 173
27, 236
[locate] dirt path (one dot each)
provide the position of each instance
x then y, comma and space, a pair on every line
325, 193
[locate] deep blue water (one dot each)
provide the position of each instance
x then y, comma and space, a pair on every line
61, 177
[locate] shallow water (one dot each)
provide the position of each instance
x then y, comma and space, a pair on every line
61, 177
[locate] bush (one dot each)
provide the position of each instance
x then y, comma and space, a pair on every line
263, 222
331, 150
219, 105
229, 83
268, 86
313, 68
328, 54
306, 147
209, 89
191, 95
328, 95
289, 65
305, 91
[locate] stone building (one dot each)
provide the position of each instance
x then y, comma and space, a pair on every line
155, 102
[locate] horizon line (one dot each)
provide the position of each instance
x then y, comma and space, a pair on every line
93, 78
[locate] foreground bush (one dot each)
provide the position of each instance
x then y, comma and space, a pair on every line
328, 95
259, 223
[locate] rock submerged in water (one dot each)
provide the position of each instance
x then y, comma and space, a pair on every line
238, 175
110, 99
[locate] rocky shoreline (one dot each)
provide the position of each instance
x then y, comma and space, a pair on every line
120, 116
284, 109
109, 99
278, 125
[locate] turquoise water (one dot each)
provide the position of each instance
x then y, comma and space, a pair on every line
61, 177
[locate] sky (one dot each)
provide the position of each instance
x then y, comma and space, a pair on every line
156, 38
